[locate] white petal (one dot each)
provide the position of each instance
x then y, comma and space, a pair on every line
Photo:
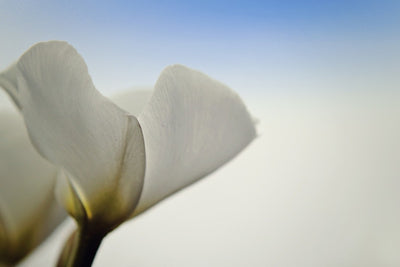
72, 125
28, 211
192, 125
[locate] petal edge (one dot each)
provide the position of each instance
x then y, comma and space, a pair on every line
192, 126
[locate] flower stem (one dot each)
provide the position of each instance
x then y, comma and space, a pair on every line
88, 245
80, 249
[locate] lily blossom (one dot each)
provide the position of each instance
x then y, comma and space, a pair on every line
28, 210
118, 164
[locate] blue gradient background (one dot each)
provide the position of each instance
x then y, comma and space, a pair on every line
251, 45
319, 187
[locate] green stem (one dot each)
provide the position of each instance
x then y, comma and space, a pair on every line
88, 244
80, 249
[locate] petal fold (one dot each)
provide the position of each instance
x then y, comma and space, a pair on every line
192, 125
71, 124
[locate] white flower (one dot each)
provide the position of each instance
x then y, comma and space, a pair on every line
118, 165
28, 210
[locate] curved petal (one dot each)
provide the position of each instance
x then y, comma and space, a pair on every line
72, 125
192, 125
28, 210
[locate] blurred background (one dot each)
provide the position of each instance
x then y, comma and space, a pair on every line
318, 187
